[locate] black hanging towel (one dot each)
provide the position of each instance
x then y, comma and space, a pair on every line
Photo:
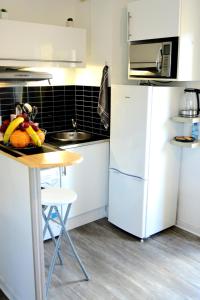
103, 102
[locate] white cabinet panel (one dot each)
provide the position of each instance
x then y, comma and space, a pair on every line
33, 44
150, 19
89, 178
17, 270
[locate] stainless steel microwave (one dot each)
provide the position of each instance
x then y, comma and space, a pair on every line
153, 58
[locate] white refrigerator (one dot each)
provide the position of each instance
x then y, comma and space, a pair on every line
144, 166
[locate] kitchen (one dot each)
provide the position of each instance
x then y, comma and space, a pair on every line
103, 28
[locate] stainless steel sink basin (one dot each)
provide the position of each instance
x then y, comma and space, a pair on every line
71, 136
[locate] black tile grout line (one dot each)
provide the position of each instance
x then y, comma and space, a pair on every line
83, 110
92, 114
40, 104
53, 107
65, 111
76, 108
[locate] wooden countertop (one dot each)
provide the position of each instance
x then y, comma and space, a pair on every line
49, 159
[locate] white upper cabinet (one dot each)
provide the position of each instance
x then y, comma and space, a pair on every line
151, 19
154, 19
32, 44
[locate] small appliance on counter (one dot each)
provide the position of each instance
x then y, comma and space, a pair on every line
189, 106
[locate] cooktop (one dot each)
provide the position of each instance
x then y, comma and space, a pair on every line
17, 152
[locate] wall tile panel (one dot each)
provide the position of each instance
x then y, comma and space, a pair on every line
57, 106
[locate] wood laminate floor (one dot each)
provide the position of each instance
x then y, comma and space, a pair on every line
166, 266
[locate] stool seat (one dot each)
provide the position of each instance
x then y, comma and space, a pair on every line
57, 196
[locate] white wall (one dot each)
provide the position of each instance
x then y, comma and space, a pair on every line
107, 44
119, 43
45, 11
189, 186
100, 43
189, 199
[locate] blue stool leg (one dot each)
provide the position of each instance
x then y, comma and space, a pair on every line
47, 226
44, 207
58, 243
68, 239
63, 232
52, 265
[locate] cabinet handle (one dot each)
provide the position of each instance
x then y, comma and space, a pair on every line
128, 26
64, 171
42, 60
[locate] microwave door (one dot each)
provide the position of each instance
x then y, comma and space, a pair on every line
145, 59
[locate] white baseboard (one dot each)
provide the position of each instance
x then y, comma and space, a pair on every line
7, 291
188, 227
86, 218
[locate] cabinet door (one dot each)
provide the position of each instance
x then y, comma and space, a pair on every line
41, 45
151, 19
89, 179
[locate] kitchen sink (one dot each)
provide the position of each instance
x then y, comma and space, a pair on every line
71, 136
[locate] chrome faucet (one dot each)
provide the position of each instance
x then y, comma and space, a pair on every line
74, 124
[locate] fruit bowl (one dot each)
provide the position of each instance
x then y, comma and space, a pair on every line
22, 133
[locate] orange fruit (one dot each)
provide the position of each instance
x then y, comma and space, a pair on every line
19, 139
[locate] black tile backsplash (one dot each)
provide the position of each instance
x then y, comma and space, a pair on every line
57, 106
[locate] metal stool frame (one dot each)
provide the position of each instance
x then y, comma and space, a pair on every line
63, 233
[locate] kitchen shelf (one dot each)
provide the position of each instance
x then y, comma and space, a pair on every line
186, 119
195, 144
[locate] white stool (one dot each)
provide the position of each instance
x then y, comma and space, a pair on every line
54, 197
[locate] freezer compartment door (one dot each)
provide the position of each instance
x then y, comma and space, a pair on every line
130, 129
127, 203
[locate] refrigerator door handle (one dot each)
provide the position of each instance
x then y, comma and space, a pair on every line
126, 174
